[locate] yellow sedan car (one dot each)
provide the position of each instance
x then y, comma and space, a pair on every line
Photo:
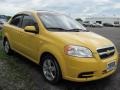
62, 46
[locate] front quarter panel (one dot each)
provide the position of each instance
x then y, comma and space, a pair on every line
56, 52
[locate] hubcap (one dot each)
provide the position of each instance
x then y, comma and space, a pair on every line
49, 70
7, 47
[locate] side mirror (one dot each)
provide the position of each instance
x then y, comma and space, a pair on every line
31, 29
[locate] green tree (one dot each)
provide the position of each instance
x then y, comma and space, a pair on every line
8, 17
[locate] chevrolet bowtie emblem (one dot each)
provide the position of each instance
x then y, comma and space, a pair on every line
108, 52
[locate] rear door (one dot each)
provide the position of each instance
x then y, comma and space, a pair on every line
15, 28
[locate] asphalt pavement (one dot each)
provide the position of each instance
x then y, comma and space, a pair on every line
109, 32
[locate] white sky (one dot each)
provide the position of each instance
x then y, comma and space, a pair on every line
76, 8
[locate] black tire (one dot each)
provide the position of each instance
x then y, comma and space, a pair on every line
58, 75
7, 47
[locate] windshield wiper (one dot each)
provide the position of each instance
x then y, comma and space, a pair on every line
78, 30
67, 30
59, 29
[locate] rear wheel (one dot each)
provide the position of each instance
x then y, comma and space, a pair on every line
7, 48
50, 69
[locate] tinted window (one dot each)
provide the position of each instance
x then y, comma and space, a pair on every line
16, 21
28, 21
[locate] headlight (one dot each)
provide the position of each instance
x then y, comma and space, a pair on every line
77, 51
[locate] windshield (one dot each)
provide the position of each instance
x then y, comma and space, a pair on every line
55, 22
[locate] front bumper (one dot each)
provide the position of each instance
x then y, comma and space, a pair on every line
88, 69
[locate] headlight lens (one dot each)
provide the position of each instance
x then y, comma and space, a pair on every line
78, 51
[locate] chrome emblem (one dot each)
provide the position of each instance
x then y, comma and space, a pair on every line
108, 52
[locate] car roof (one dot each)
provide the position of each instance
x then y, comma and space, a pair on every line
38, 11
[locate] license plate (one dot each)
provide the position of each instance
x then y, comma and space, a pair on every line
111, 66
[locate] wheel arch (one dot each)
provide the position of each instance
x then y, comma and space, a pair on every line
58, 59
4, 38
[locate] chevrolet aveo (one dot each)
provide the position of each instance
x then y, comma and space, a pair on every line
62, 46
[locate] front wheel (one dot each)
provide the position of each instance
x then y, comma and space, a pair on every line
50, 69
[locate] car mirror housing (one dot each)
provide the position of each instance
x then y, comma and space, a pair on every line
31, 29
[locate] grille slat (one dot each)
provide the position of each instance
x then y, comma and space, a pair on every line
106, 52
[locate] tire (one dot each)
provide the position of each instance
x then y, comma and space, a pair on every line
7, 47
50, 69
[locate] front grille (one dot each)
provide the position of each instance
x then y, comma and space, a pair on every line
106, 52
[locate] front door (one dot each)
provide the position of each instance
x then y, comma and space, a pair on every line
29, 41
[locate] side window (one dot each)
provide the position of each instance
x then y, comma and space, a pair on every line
28, 21
16, 21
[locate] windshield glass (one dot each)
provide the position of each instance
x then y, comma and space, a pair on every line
55, 22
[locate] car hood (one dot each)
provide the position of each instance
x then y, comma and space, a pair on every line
87, 39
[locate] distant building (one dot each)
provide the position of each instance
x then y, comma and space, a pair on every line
102, 20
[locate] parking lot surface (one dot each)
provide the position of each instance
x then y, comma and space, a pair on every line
109, 32
16, 72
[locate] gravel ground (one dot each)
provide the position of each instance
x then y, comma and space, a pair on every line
18, 73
